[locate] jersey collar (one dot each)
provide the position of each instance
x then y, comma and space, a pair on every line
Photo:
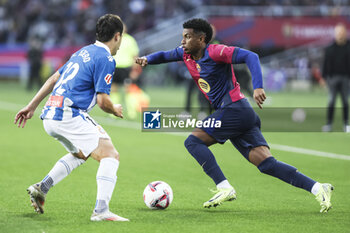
100, 44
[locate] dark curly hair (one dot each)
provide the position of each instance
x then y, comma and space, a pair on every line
107, 25
200, 25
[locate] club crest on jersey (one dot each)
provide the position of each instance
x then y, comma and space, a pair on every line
108, 79
203, 85
198, 67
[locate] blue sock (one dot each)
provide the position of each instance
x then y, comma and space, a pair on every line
286, 173
205, 158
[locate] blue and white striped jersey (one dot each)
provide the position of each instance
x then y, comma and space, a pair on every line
89, 71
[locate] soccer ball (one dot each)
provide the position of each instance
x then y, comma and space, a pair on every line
158, 195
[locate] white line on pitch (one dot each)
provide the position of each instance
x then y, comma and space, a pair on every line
308, 152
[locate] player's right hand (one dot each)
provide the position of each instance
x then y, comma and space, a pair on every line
142, 61
23, 115
118, 110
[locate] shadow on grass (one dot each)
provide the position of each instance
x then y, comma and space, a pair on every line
35, 216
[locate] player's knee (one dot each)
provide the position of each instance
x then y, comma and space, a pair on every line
192, 141
259, 154
80, 155
107, 154
267, 165
114, 154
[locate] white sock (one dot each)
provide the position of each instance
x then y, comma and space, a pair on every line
224, 185
62, 168
106, 178
315, 188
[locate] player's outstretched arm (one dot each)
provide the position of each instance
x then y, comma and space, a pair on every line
161, 57
105, 103
28, 111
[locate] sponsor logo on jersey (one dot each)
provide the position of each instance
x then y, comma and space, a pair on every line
110, 58
55, 101
198, 67
203, 85
108, 79
151, 120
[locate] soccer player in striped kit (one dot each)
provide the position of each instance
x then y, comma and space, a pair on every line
75, 89
210, 66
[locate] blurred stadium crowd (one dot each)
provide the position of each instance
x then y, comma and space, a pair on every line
66, 22
287, 29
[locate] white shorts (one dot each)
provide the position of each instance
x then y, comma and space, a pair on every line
76, 134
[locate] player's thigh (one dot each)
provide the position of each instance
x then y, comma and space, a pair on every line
79, 135
236, 118
212, 134
52, 128
252, 145
105, 149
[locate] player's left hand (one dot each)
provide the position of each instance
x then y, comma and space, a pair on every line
23, 115
259, 96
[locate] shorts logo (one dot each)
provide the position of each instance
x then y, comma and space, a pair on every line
203, 85
152, 120
108, 79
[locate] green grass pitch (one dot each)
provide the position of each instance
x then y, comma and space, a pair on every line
264, 204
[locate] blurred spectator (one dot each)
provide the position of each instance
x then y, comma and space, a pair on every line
125, 59
336, 70
35, 55
123, 75
71, 22
65, 22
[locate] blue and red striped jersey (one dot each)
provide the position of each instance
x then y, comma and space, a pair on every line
213, 73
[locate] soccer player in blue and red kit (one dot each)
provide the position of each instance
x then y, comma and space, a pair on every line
75, 89
211, 68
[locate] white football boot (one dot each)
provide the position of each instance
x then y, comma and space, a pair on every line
107, 216
37, 197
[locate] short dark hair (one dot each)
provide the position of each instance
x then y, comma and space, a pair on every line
200, 25
107, 25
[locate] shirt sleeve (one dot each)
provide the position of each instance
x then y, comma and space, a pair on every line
222, 53
253, 63
166, 56
61, 69
103, 74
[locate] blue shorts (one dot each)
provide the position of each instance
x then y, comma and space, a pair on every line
240, 124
